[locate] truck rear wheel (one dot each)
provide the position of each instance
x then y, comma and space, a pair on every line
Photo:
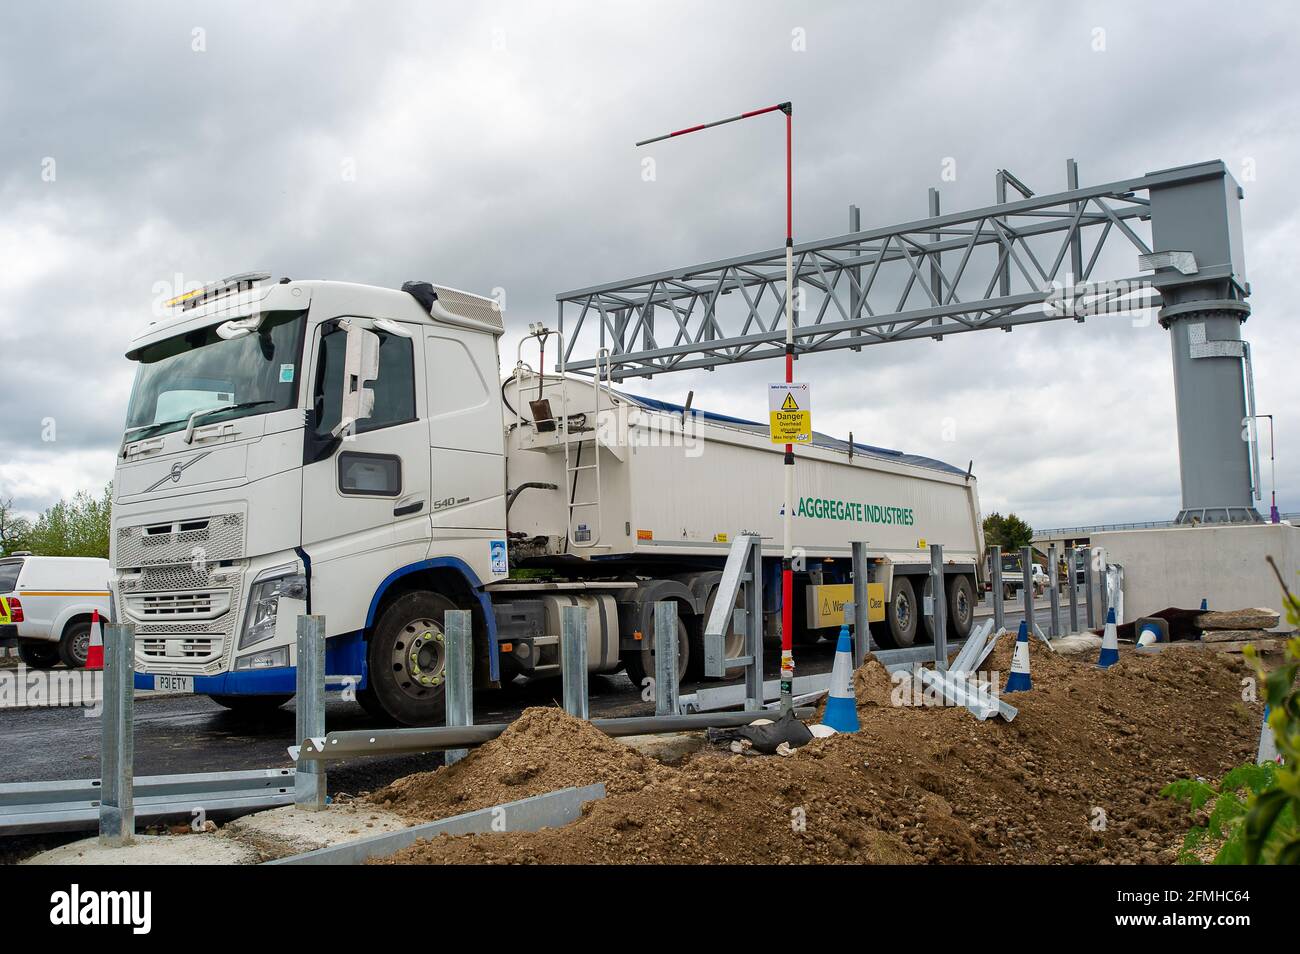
733, 640
75, 644
961, 606
640, 663
38, 655
901, 613
407, 661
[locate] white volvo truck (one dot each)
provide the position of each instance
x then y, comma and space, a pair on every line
350, 451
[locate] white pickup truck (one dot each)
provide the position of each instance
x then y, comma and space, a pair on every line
51, 601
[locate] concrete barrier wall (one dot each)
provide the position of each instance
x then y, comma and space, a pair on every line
1178, 566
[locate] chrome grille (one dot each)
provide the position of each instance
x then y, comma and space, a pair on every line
179, 650
194, 542
198, 646
178, 606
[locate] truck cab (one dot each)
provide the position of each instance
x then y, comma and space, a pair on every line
311, 447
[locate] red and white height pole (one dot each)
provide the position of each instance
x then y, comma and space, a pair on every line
787, 509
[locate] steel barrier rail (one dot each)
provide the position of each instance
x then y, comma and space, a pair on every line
73, 805
355, 742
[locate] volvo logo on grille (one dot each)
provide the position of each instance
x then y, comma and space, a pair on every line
176, 472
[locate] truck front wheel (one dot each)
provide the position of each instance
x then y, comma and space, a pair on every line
407, 661
901, 614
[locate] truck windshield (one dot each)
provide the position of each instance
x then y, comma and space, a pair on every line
201, 371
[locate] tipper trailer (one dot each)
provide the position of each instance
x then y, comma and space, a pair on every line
350, 451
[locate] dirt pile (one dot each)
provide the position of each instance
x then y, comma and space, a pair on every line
1042, 658
872, 684
1075, 778
541, 751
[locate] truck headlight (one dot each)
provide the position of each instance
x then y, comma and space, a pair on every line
264, 602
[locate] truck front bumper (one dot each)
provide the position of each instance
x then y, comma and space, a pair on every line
257, 682
345, 659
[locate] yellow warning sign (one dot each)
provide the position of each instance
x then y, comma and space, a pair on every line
4, 611
826, 603
789, 413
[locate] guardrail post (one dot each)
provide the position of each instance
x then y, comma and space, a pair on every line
458, 629
117, 738
938, 607
573, 659
1055, 595
753, 598
861, 628
309, 711
1089, 606
1103, 585
1074, 590
995, 581
665, 612
1027, 586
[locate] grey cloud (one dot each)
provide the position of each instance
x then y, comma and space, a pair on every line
480, 168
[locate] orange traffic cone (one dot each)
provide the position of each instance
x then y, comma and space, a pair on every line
95, 652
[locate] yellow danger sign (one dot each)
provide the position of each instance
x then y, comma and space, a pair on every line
826, 603
789, 409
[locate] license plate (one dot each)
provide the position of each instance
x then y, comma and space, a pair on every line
173, 683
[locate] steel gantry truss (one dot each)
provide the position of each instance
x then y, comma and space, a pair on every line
1009, 264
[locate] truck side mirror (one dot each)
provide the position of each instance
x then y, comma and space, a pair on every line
360, 365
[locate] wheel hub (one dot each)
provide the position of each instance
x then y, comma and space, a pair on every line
902, 610
419, 658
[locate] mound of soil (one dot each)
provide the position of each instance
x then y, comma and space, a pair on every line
543, 750
1075, 778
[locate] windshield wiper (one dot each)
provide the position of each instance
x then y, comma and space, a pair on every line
203, 412
144, 430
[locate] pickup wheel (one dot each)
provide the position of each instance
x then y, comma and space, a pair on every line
75, 644
408, 658
901, 613
961, 606
640, 663
39, 655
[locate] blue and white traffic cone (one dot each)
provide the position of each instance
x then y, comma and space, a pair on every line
841, 707
1109, 642
1019, 680
1150, 635
1205, 604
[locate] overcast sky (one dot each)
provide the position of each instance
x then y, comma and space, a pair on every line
490, 145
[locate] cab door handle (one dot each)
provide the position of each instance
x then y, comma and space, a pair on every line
408, 509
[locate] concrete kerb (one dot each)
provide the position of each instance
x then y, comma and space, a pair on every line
528, 814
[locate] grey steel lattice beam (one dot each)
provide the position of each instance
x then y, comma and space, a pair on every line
1014, 263
876, 285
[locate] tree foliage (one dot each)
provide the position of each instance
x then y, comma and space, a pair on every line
77, 526
1009, 532
14, 530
